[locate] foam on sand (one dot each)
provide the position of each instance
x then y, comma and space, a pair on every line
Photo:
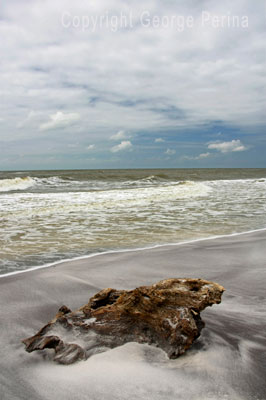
136, 371
227, 362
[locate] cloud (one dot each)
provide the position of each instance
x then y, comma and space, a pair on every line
203, 155
227, 147
124, 145
159, 140
212, 78
127, 93
199, 157
60, 120
91, 147
170, 152
120, 135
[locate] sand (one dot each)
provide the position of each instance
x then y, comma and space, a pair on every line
227, 362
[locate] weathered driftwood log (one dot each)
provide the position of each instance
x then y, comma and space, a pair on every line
166, 314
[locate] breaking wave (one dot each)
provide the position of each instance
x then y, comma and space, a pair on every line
59, 184
23, 183
48, 216
7, 185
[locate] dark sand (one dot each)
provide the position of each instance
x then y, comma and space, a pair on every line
227, 362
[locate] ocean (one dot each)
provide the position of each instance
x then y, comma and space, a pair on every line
49, 216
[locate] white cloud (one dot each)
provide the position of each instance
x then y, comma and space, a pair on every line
60, 120
124, 145
159, 140
208, 74
170, 152
199, 157
203, 155
227, 147
91, 147
120, 135
124, 92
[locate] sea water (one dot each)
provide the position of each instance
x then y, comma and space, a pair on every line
49, 216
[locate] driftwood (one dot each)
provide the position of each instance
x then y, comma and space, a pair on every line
166, 315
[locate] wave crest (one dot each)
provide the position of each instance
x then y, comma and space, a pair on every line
7, 185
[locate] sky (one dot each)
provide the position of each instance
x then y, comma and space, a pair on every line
132, 84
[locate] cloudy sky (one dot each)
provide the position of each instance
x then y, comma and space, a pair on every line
124, 84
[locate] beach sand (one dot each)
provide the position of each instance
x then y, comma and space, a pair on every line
227, 362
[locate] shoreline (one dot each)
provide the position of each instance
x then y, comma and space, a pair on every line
233, 335
69, 260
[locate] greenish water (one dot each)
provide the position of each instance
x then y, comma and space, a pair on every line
54, 215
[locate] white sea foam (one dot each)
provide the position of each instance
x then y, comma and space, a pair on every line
43, 203
141, 372
59, 218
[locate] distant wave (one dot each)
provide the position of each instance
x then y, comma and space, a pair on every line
161, 178
53, 180
69, 183
7, 185
13, 184
151, 179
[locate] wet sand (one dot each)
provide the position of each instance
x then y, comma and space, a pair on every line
227, 362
